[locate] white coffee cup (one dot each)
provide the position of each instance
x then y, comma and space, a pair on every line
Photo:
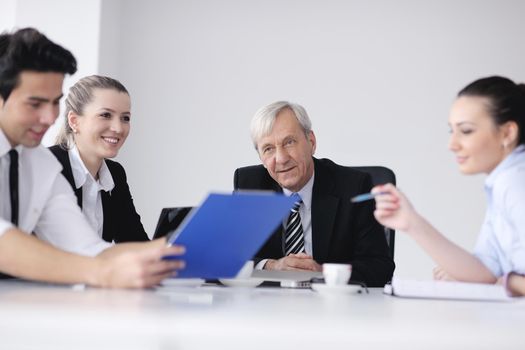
336, 274
246, 270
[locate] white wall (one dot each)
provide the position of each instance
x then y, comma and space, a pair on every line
376, 76
8, 14
110, 37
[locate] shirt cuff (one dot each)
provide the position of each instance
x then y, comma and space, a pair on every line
260, 264
490, 264
506, 284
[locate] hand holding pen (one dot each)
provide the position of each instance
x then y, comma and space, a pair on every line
365, 197
392, 207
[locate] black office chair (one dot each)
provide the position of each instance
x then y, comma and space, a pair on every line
381, 175
169, 220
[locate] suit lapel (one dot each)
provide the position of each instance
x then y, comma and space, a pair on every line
78, 193
111, 210
279, 232
63, 157
277, 238
324, 209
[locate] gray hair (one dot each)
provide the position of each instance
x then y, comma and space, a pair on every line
80, 95
264, 118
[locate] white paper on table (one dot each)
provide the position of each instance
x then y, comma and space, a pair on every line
428, 289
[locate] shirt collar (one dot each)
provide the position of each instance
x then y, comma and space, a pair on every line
81, 174
5, 145
516, 156
305, 193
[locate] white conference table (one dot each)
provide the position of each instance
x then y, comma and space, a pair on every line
40, 316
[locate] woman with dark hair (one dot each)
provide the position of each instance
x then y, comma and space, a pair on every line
487, 123
97, 123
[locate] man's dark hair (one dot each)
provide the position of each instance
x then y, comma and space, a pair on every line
29, 50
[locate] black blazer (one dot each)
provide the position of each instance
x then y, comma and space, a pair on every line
121, 221
342, 232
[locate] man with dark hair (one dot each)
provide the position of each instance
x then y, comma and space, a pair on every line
28, 49
35, 197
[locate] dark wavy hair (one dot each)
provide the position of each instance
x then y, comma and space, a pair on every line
506, 100
29, 50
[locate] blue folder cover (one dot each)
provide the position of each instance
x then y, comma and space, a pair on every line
226, 230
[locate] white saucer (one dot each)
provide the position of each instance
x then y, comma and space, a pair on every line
183, 282
339, 289
241, 282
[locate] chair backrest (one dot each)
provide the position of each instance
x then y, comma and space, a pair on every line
169, 220
382, 175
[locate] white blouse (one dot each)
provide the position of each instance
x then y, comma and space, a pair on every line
501, 243
91, 196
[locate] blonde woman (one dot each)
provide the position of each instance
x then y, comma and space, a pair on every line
97, 123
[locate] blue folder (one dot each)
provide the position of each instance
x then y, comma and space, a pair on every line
226, 230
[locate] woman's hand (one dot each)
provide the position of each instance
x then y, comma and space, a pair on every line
441, 275
393, 209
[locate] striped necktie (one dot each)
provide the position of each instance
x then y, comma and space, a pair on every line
294, 238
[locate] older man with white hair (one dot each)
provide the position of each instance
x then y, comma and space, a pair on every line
324, 226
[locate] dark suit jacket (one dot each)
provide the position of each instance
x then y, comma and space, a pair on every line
121, 221
342, 232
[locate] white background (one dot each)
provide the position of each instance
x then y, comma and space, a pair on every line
377, 78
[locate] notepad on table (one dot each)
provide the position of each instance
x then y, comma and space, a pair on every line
446, 290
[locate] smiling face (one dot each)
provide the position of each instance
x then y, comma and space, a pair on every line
286, 152
103, 126
478, 143
31, 108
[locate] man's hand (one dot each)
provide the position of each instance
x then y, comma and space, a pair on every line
138, 268
120, 248
296, 262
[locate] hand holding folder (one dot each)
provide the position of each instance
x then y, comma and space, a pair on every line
226, 230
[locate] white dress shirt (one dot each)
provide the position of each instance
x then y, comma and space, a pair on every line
305, 211
501, 243
47, 204
91, 196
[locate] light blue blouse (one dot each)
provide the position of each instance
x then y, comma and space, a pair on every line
501, 243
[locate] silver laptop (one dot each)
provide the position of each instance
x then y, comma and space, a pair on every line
288, 279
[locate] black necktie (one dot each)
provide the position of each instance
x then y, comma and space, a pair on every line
294, 238
13, 185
